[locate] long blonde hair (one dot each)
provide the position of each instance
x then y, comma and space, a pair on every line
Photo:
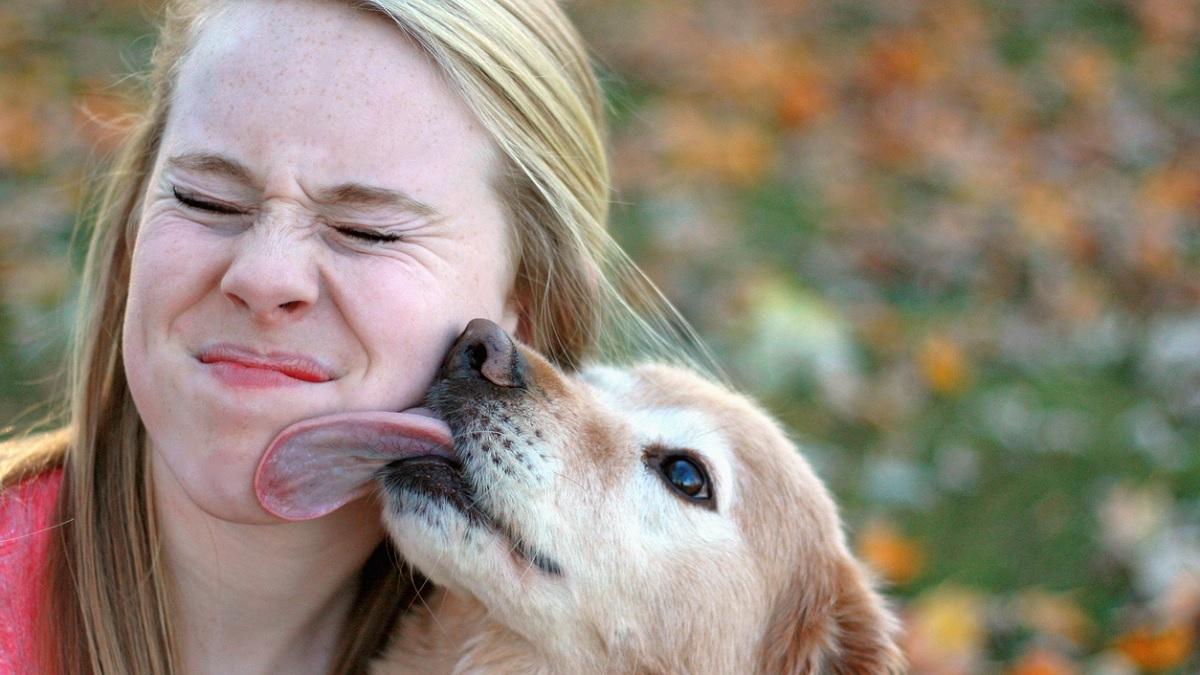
522, 69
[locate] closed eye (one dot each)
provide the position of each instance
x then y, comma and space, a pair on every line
190, 200
683, 473
369, 236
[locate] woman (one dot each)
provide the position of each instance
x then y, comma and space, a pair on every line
320, 196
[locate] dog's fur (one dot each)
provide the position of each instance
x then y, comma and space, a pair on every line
559, 546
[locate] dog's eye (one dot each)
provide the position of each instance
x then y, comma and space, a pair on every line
686, 477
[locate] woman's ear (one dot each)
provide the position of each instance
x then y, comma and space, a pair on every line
835, 625
516, 321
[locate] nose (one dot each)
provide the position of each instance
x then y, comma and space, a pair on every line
273, 277
485, 351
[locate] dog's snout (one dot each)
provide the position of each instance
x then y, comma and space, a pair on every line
485, 351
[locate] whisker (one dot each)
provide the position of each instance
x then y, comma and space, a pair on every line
519, 551
432, 613
567, 478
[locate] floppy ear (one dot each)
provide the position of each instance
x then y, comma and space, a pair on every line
836, 624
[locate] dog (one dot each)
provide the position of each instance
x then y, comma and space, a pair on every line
641, 520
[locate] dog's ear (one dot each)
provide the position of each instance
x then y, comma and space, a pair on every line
836, 624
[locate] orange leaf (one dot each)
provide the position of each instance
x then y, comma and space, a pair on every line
944, 366
731, 151
1157, 648
904, 58
803, 100
898, 558
21, 135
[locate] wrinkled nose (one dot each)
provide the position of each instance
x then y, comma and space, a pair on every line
274, 278
485, 351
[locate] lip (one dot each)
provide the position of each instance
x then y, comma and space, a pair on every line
246, 367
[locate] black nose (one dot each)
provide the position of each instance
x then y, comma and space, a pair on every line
485, 351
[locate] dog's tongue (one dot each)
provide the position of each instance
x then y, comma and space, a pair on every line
317, 465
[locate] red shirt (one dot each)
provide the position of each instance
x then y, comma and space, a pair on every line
25, 530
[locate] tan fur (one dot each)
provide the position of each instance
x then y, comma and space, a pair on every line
649, 582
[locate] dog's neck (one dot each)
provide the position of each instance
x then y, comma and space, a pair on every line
450, 633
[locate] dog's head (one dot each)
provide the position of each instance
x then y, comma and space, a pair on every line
628, 520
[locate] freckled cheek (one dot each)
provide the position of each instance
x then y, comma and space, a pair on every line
482, 290
490, 268
170, 272
146, 330
149, 288
398, 323
406, 330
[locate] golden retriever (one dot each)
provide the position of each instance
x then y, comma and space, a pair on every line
636, 520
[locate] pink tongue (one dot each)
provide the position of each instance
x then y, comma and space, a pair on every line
315, 466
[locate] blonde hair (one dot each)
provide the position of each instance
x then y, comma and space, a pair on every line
581, 295
522, 69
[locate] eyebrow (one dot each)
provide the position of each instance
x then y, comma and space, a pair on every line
350, 194
209, 163
369, 196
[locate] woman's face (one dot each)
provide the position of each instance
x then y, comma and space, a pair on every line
319, 226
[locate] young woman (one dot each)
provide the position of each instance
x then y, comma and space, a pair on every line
320, 196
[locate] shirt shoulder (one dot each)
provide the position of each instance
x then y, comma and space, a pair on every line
26, 510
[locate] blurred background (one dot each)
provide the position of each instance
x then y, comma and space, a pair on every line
953, 244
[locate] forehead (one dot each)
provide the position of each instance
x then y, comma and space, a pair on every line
265, 40
675, 403
330, 83
751, 454
671, 416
